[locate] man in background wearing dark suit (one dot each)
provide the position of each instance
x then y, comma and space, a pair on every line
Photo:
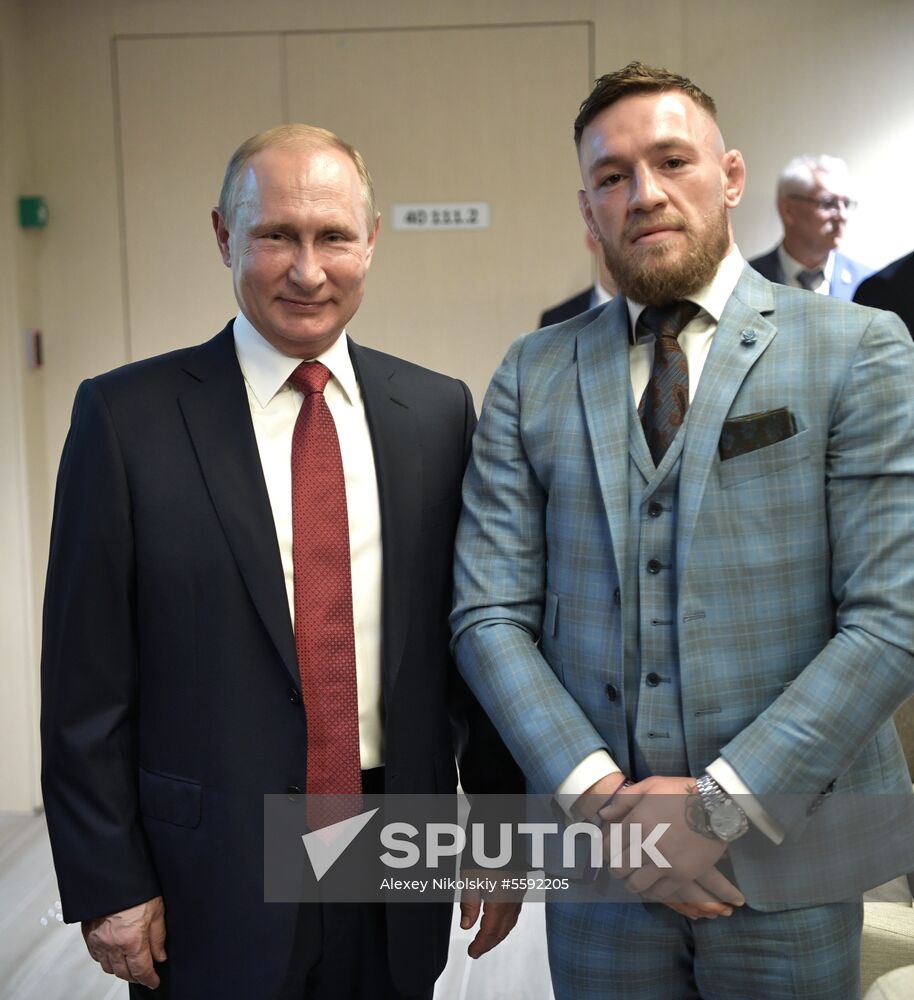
891, 288
249, 580
814, 204
599, 293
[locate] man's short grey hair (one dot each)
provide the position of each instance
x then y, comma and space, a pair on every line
293, 136
799, 176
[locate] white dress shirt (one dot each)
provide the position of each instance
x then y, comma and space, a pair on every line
599, 296
790, 268
274, 409
695, 339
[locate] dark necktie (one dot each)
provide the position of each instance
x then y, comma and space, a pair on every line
324, 636
811, 280
666, 398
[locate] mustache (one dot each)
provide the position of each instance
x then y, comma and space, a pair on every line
639, 226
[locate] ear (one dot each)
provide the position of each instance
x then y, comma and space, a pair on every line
372, 239
587, 215
734, 169
786, 211
222, 237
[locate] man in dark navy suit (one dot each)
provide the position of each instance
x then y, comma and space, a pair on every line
814, 203
599, 293
891, 288
176, 692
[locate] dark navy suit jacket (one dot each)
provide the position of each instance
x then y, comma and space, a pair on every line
171, 691
574, 306
891, 288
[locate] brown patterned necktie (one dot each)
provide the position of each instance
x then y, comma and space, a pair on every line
666, 398
324, 634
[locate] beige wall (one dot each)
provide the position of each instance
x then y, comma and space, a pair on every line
21, 443
816, 76
445, 295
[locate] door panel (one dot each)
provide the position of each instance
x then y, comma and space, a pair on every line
185, 104
460, 114
456, 114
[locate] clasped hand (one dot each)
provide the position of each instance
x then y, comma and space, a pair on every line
687, 844
691, 886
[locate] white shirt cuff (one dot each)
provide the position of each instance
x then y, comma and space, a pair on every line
593, 767
733, 785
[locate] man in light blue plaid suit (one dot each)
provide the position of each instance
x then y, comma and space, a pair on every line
728, 622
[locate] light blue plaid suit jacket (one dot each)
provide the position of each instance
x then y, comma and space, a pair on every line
795, 562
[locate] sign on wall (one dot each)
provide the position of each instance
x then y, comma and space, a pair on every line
441, 215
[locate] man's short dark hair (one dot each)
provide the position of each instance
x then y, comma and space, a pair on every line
636, 78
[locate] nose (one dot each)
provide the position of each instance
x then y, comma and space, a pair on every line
307, 270
837, 217
645, 193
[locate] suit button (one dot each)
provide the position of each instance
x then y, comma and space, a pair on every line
652, 679
617, 597
292, 791
294, 696
654, 509
654, 566
611, 692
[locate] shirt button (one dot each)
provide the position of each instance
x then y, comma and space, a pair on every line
611, 692
654, 566
652, 679
617, 597
294, 696
655, 509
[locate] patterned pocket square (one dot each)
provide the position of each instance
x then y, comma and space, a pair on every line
755, 430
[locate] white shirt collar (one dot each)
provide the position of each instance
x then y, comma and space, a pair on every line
790, 267
599, 296
266, 370
713, 297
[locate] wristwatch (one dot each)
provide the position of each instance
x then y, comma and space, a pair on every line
725, 818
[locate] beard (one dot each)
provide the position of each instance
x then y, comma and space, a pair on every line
657, 275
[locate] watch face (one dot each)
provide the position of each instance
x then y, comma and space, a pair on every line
726, 821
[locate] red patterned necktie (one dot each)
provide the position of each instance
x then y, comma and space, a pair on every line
666, 398
324, 636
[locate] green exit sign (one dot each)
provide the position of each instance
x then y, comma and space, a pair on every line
33, 212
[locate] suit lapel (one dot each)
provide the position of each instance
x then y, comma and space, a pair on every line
742, 336
842, 278
605, 382
779, 275
218, 419
398, 466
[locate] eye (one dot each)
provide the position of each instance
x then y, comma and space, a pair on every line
675, 162
610, 180
275, 237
